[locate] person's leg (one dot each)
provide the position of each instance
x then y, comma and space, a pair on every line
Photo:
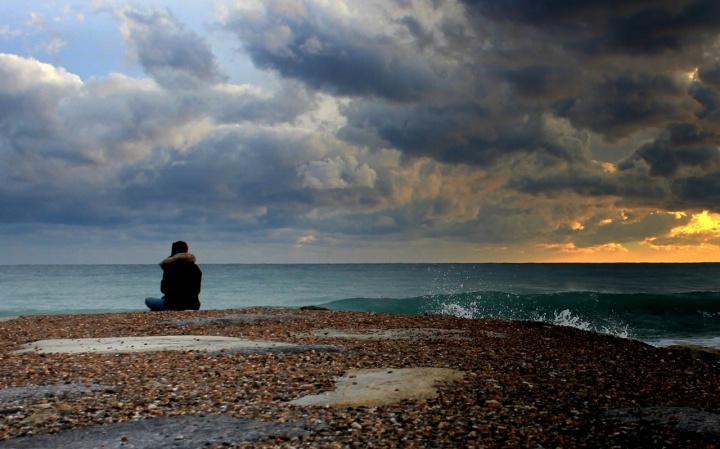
155, 304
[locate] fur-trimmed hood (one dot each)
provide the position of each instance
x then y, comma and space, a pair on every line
178, 258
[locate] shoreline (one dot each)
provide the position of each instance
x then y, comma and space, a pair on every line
707, 344
523, 384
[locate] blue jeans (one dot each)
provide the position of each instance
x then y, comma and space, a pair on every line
156, 304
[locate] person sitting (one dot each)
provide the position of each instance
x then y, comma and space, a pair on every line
180, 283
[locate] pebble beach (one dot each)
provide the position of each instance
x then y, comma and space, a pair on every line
516, 384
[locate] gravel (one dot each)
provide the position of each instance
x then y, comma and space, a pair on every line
535, 386
247, 318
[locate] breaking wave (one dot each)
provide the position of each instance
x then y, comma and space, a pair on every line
648, 317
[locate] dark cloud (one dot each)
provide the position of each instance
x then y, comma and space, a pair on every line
690, 134
509, 81
228, 104
422, 37
662, 27
104, 151
540, 81
168, 52
551, 11
710, 75
630, 102
698, 192
462, 121
636, 27
305, 43
462, 133
708, 97
666, 161
451, 133
227, 169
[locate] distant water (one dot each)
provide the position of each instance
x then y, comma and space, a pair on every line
660, 304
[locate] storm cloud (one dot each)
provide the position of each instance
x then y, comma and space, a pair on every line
487, 127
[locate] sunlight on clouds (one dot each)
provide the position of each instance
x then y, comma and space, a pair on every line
702, 252
571, 253
698, 240
326, 116
117, 83
305, 239
26, 74
571, 248
705, 223
241, 89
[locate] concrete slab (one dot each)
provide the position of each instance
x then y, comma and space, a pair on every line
147, 344
375, 387
384, 334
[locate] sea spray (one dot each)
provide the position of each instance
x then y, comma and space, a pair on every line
565, 317
458, 310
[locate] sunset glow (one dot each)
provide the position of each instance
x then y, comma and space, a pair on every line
704, 224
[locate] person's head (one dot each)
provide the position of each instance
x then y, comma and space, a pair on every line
179, 247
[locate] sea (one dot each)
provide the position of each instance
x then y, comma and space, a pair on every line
660, 304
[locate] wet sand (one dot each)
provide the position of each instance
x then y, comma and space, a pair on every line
509, 384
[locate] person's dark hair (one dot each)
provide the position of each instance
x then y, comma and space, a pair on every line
179, 247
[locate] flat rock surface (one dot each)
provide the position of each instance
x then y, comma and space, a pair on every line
180, 432
376, 387
384, 334
48, 391
7, 318
682, 418
146, 344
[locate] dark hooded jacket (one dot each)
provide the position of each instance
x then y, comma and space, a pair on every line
181, 282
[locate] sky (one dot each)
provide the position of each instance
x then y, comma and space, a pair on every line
333, 131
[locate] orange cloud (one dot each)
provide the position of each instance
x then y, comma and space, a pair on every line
704, 223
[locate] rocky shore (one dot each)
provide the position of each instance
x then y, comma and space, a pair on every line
489, 384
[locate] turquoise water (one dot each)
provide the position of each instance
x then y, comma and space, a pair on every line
657, 303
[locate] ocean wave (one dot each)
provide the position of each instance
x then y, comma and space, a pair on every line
637, 315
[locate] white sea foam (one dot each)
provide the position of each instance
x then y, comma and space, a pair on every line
566, 318
457, 310
708, 342
563, 317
